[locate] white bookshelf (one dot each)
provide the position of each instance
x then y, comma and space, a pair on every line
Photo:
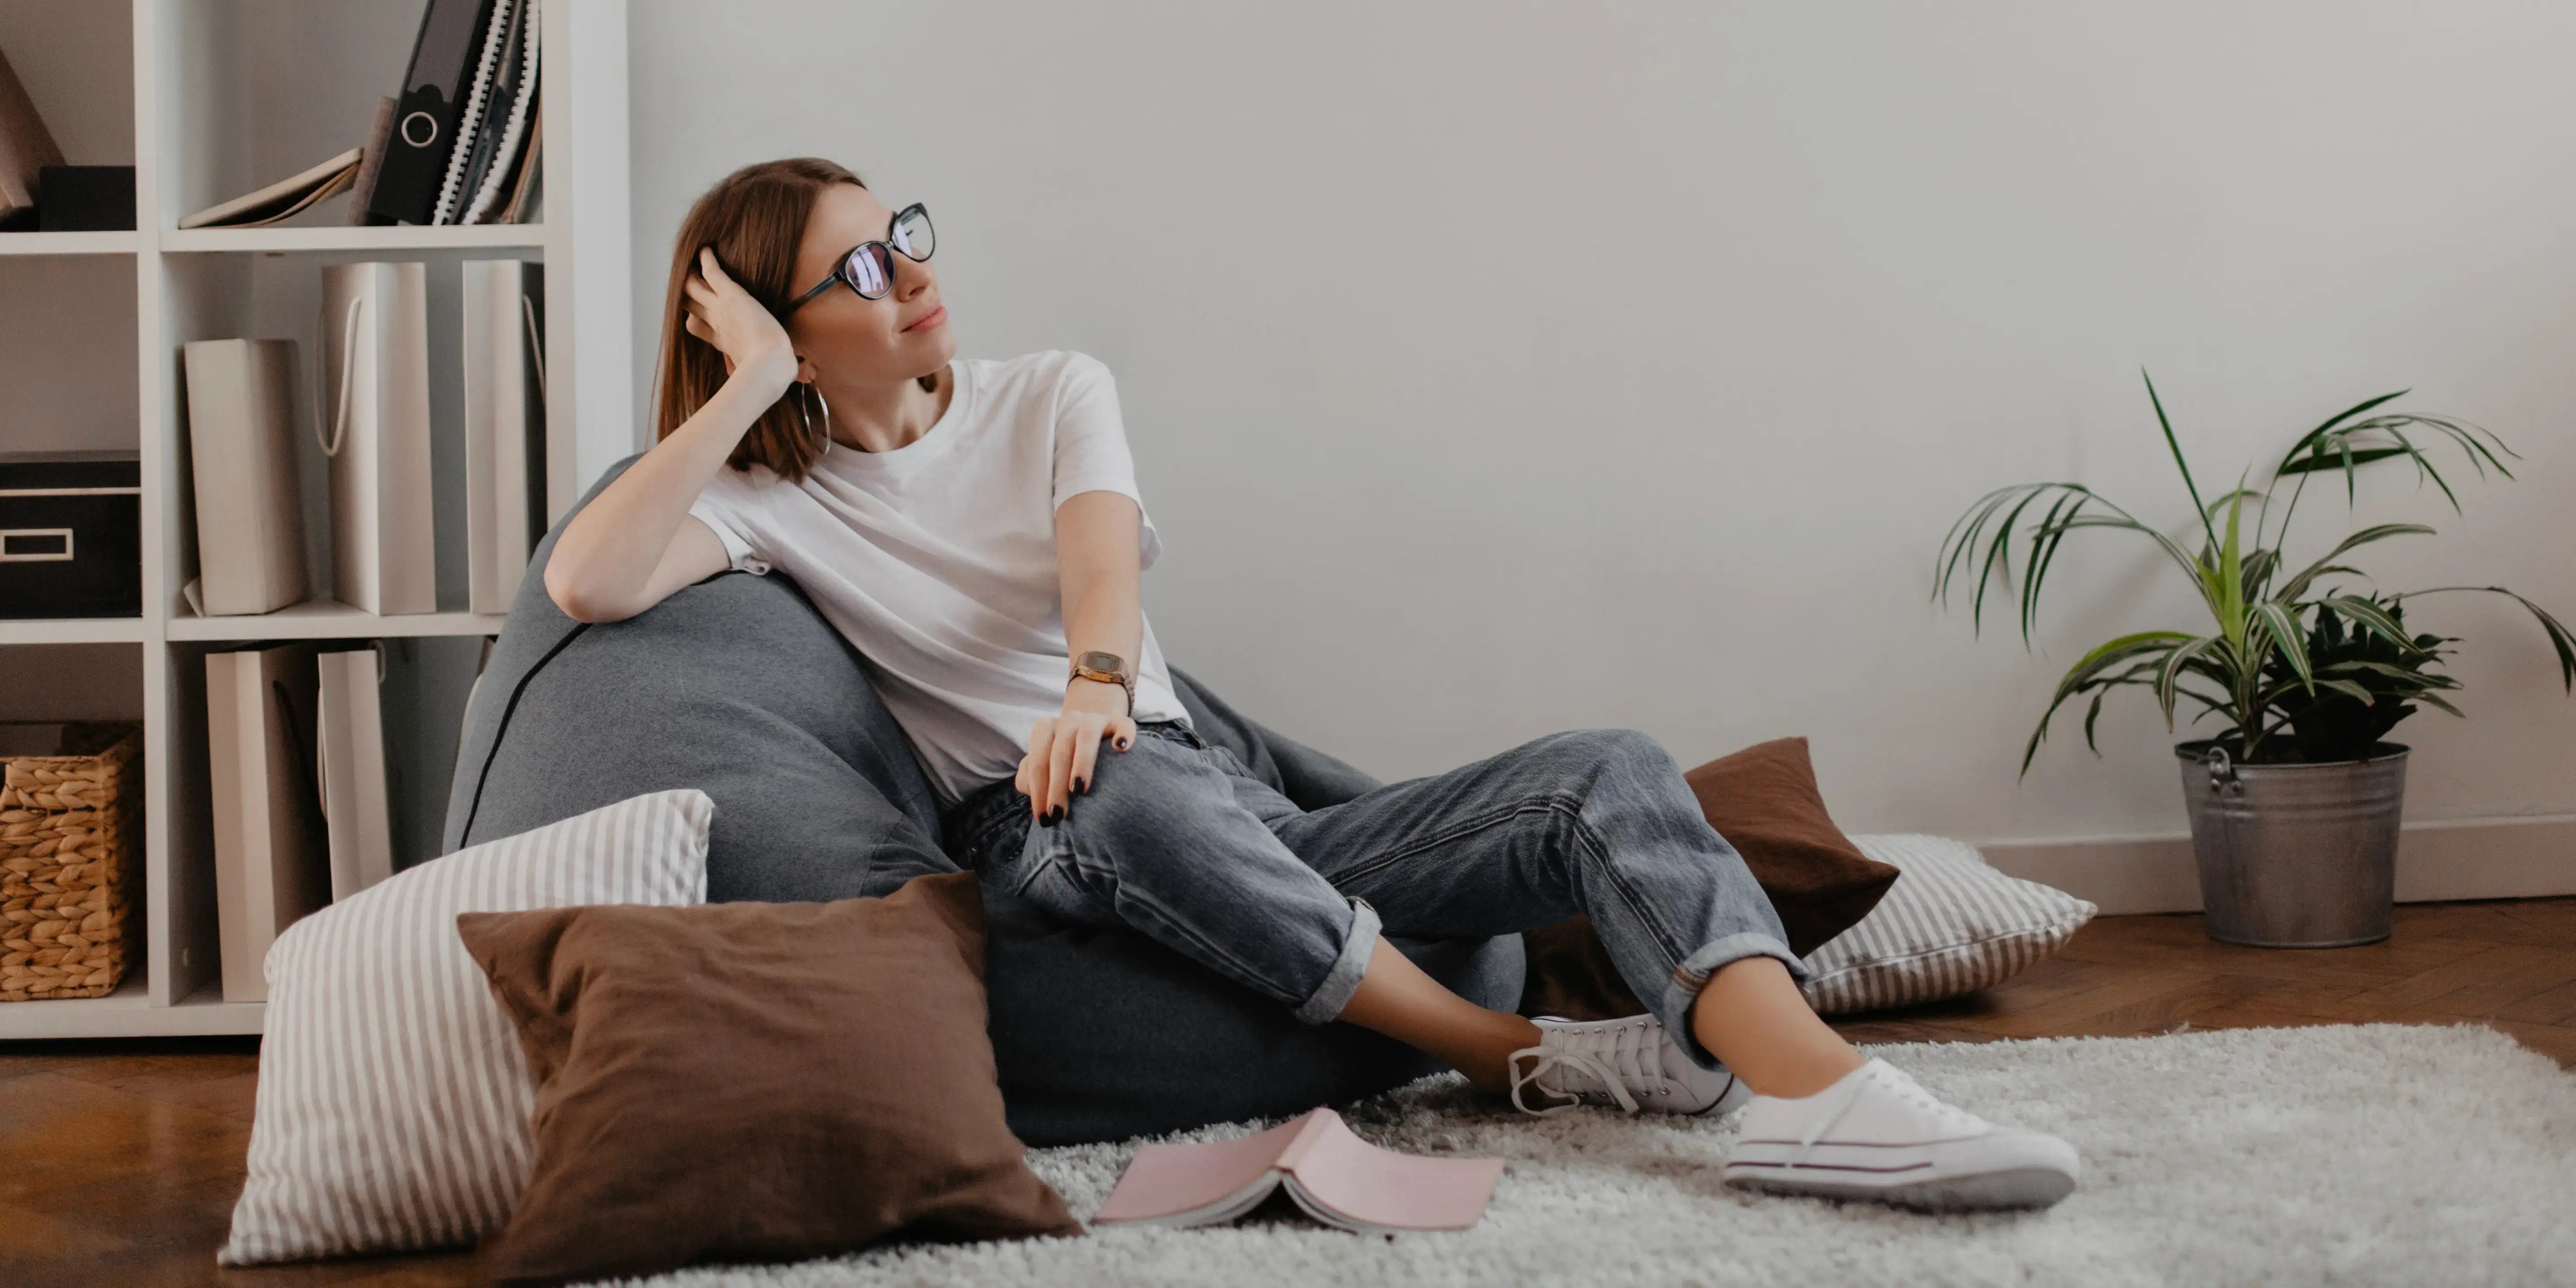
70, 243
330, 620
278, 241
208, 99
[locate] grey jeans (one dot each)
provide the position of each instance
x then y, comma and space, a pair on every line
1177, 840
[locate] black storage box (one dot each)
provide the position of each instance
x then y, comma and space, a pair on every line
85, 198
71, 534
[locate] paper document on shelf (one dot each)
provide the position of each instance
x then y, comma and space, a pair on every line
285, 198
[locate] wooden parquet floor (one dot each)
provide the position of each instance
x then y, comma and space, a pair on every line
2507, 964
120, 1161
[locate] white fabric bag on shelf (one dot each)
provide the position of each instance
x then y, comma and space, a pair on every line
271, 862
373, 420
350, 755
505, 426
241, 461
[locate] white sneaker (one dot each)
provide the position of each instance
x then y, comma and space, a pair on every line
1877, 1135
1631, 1063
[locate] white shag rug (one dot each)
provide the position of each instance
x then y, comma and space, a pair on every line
2350, 1154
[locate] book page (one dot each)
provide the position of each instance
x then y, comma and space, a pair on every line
1349, 1182
1167, 1181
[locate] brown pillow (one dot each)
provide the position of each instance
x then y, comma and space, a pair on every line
754, 1082
1764, 801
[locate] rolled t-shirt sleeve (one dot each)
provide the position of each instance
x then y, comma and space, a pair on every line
711, 510
1091, 445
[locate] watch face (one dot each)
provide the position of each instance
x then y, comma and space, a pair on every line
1098, 661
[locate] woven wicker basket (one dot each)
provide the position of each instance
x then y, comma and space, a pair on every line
70, 827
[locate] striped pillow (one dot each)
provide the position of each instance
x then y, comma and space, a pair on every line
1949, 926
393, 1099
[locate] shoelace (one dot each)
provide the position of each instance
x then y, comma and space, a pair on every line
1891, 1080
1635, 1057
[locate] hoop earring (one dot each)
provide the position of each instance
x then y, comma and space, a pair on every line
804, 388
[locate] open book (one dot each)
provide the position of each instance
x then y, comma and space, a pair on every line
1335, 1176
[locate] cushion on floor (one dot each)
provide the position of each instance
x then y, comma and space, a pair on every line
755, 1082
1952, 926
393, 1099
1765, 802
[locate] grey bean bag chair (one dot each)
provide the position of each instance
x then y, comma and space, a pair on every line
737, 687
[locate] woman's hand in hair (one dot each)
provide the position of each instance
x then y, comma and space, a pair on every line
754, 345
1064, 749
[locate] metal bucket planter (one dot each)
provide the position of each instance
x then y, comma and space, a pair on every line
2295, 856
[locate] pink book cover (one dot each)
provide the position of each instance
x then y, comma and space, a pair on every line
1330, 1172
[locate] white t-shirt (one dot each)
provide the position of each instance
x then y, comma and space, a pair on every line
937, 560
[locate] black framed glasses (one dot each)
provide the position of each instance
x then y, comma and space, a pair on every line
869, 267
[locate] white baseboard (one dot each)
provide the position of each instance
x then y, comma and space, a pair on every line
2488, 858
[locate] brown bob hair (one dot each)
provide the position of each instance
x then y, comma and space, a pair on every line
754, 219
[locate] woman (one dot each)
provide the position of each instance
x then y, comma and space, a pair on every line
973, 528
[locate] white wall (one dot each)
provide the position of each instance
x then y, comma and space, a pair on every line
1500, 368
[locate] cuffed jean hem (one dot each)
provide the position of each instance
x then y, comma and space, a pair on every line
1325, 1004
1681, 992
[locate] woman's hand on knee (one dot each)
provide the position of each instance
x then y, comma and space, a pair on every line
1064, 750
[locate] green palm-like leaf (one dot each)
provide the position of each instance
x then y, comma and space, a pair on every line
2560, 639
2348, 456
2229, 588
2431, 701
2403, 676
2093, 714
1980, 528
2168, 681
2240, 493
2285, 593
1982, 540
1962, 538
2309, 438
2088, 673
2285, 688
2259, 567
2371, 617
2172, 548
2175, 446
2298, 585
2337, 448
2044, 540
1999, 554
2357, 651
2287, 636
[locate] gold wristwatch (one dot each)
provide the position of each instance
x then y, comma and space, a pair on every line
1107, 668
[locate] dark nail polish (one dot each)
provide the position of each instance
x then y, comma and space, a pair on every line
1056, 815
1081, 788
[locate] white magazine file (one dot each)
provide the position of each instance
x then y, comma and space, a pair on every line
270, 868
505, 444
351, 760
372, 418
241, 462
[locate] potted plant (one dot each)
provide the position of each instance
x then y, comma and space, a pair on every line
2295, 803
